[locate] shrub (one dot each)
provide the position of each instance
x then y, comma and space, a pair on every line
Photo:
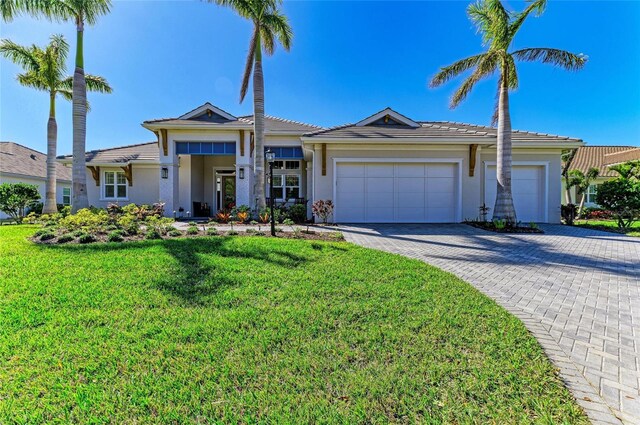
622, 197
232, 233
41, 232
35, 208
192, 230
298, 213
115, 236
47, 236
500, 224
161, 224
264, 217
86, 219
152, 234
86, 238
64, 210
129, 224
67, 237
242, 216
211, 231
323, 209
111, 228
223, 216
77, 233
568, 213
174, 232
15, 198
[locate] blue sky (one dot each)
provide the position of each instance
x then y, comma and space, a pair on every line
349, 59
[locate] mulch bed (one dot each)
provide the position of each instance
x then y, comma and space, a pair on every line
303, 234
490, 227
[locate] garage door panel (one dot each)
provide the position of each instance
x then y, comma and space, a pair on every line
527, 189
396, 192
350, 170
379, 170
410, 170
440, 170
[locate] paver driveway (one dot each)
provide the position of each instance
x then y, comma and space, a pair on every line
577, 290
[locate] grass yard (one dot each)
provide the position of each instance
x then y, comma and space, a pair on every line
257, 330
610, 226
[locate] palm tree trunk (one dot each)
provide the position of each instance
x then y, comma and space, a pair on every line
52, 140
504, 209
581, 207
79, 106
258, 122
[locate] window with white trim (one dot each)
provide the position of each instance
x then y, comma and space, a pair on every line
286, 180
115, 185
66, 196
591, 194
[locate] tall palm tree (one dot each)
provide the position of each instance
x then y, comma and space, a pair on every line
80, 12
269, 24
45, 69
498, 28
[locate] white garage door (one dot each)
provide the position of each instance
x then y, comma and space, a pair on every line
396, 192
528, 191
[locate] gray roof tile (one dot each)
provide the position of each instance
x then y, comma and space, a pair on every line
21, 160
146, 152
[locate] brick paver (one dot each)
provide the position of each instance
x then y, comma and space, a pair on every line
576, 290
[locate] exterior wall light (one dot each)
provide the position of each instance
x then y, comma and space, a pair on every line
241, 173
164, 173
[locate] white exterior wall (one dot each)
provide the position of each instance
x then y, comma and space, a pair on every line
143, 191
4, 178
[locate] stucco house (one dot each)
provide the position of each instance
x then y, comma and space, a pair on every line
385, 168
600, 157
20, 164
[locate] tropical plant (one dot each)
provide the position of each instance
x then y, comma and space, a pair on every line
567, 158
498, 28
622, 195
322, 209
16, 197
627, 170
269, 25
80, 12
581, 181
45, 69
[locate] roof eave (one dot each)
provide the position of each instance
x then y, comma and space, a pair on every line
203, 126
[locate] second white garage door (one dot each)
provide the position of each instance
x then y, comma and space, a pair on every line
396, 192
527, 186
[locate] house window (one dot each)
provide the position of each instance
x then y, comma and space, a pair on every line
286, 185
286, 165
591, 194
115, 185
66, 196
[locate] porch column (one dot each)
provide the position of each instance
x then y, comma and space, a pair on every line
169, 188
309, 188
244, 166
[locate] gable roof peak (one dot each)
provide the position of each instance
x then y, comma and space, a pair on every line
388, 113
207, 106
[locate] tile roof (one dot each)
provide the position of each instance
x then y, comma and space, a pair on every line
21, 160
281, 124
144, 152
622, 156
431, 129
596, 156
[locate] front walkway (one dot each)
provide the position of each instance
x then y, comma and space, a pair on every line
577, 290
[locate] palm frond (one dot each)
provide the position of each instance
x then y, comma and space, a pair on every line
23, 56
66, 93
244, 8
536, 6
248, 68
486, 67
279, 26
33, 80
449, 72
481, 18
97, 84
560, 58
500, 19
267, 40
90, 10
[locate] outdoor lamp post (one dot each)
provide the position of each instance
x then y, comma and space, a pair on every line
270, 157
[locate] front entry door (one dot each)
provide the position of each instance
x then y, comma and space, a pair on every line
226, 191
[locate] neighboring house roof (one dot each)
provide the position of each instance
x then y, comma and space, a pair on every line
622, 156
23, 161
599, 157
142, 152
208, 115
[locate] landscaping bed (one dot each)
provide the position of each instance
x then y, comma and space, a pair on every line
610, 226
504, 228
258, 330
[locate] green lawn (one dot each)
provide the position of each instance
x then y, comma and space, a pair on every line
610, 226
257, 330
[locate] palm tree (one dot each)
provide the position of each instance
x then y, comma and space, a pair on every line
498, 28
269, 24
45, 69
80, 12
581, 182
